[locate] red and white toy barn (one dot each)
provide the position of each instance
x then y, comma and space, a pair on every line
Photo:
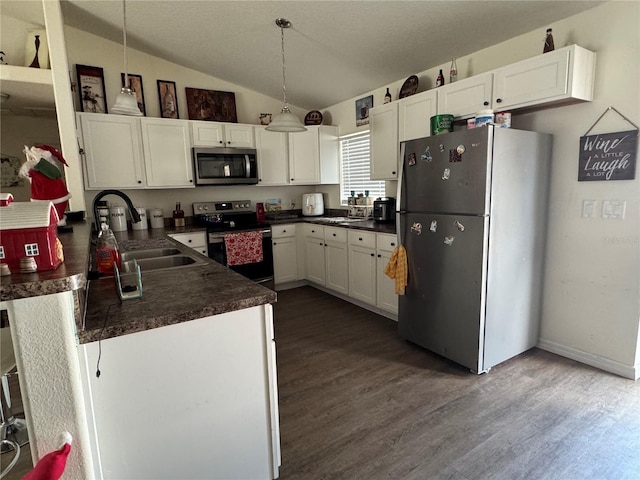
29, 229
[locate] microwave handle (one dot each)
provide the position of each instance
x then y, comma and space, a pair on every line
247, 166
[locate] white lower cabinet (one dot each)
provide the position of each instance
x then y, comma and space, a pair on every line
285, 254
194, 240
314, 253
362, 266
336, 259
386, 297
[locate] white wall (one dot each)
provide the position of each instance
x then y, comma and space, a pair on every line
591, 306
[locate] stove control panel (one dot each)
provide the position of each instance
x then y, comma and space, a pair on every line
235, 206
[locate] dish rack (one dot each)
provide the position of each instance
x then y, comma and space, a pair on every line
360, 207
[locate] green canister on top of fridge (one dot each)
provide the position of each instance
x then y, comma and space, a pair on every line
441, 124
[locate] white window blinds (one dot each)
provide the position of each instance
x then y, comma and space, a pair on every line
354, 152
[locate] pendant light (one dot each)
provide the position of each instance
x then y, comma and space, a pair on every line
285, 121
126, 102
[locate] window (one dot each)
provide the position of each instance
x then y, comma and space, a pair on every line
31, 249
354, 151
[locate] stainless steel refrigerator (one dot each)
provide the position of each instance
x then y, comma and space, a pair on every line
471, 216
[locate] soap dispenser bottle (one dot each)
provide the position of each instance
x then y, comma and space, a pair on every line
107, 252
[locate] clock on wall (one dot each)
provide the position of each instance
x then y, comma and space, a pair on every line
314, 117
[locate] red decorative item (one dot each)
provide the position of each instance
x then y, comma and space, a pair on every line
52, 465
260, 213
29, 229
243, 247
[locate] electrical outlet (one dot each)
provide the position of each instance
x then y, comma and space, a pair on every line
589, 208
613, 209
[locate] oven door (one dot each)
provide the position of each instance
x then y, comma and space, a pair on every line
261, 272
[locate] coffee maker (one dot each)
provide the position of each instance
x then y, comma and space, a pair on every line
384, 209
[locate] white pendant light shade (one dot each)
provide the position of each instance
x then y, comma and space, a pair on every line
126, 102
285, 121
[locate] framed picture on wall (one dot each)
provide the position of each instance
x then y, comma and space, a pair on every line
211, 105
91, 87
168, 99
363, 106
135, 84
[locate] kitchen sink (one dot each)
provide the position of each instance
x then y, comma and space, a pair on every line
158, 263
342, 219
150, 253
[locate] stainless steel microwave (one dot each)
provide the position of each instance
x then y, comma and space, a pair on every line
225, 166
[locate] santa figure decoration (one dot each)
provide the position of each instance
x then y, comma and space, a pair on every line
45, 177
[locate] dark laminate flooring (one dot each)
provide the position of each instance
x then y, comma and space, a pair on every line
357, 402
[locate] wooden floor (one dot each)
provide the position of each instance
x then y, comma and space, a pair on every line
357, 402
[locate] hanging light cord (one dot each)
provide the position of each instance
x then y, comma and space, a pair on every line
124, 35
284, 87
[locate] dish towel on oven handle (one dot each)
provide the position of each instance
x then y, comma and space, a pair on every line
243, 247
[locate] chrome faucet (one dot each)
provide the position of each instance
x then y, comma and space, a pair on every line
135, 216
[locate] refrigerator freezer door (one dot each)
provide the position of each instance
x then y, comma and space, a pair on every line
447, 173
443, 307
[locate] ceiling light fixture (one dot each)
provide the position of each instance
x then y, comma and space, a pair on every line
285, 121
126, 102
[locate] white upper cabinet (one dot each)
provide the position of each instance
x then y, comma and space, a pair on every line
415, 114
564, 74
167, 153
220, 134
112, 151
313, 156
466, 97
273, 157
383, 125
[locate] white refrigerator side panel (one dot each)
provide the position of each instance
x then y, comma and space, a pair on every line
519, 195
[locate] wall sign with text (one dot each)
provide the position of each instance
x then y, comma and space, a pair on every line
608, 156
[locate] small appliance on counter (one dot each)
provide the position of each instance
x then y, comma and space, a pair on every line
312, 204
384, 209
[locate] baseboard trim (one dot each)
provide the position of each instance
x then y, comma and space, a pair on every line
631, 372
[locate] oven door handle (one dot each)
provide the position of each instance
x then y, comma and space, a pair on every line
219, 237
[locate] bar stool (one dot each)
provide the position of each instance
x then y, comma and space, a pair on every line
12, 428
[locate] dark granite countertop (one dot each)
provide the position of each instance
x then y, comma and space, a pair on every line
369, 225
70, 275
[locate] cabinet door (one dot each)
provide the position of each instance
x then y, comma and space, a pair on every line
362, 274
383, 125
239, 136
314, 254
415, 114
285, 264
337, 271
467, 97
386, 298
207, 134
304, 157
272, 156
532, 81
167, 152
112, 151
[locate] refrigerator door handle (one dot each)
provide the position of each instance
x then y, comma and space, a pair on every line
399, 202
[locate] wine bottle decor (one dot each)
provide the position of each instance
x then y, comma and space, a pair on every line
35, 63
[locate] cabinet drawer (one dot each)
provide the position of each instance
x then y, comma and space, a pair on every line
282, 231
364, 239
313, 231
333, 234
196, 239
387, 242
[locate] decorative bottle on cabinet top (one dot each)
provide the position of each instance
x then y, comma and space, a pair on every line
387, 97
548, 42
440, 79
453, 71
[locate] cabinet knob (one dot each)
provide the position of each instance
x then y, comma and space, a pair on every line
360, 238
189, 241
334, 234
379, 256
274, 244
220, 141
485, 103
393, 173
499, 100
373, 255
292, 179
322, 243
284, 231
393, 244
139, 181
259, 179
190, 181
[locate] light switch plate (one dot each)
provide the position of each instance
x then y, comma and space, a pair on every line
613, 209
589, 208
